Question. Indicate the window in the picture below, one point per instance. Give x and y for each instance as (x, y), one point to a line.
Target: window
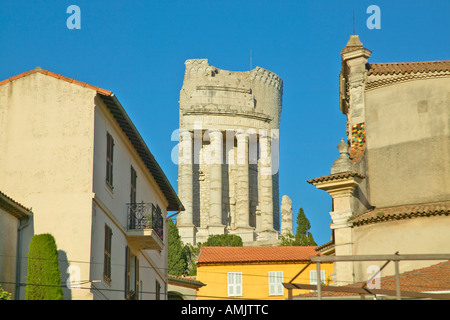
(132, 221)
(109, 160)
(313, 277)
(133, 186)
(234, 284)
(131, 275)
(276, 283)
(107, 255)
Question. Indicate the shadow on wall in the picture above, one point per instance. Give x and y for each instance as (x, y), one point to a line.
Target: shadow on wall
(64, 270)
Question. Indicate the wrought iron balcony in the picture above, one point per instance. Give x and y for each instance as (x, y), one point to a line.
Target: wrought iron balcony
(145, 222)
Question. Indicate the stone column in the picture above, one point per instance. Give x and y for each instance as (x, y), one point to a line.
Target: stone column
(215, 200)
(286, 217)
(243, 188)
(265, 229)
(185, 218)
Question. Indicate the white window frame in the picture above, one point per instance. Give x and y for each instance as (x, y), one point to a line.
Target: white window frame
(313, 277)
(234, 284)
(276, 283)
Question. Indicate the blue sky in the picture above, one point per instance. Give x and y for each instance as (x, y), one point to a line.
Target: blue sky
(137, 49)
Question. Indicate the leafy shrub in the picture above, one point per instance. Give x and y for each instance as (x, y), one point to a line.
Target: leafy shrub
(4, 295)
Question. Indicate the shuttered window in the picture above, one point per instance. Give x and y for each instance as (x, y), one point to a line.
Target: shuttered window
(133, 186)
(234, 284)
(107, 255)
(313, 277)
(109, 160)
(276, 283)
(131, 275)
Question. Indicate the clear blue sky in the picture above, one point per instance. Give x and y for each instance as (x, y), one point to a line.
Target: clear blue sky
(137, 49)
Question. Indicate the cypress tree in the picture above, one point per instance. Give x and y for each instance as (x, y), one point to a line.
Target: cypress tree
(177, 263)
(303, 237)
(44, 278)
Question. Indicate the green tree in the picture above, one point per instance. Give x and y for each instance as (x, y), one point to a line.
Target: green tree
(44, 277)
(223, 240)
(177, 257)
(302, 236)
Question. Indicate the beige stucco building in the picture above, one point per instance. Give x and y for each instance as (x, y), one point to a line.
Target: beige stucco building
(69, 151)
(391, 183)
(228, 153)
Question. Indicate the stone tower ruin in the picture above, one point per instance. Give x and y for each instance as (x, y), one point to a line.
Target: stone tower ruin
(228, 153)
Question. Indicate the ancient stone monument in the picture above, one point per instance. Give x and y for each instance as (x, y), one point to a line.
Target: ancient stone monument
(228, 153)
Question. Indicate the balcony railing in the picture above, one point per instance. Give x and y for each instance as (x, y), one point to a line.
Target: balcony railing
(145, 216)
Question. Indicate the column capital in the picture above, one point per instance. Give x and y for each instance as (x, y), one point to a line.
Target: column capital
(185, 134)
(214, 132)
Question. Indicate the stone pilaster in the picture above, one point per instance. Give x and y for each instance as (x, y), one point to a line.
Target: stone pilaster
(341, 187)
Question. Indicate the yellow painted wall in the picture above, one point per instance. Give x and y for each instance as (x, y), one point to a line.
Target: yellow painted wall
(255, 279)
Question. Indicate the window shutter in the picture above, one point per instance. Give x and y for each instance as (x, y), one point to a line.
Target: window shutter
(271, 283)
(107, 254)
(313, 277)
(137, 275)
(127, 271)
(280, 287)
(276, 283)
(238, 284)
(234, 283)
(230, 284)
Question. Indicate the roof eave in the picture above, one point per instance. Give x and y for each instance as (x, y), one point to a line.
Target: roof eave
(127, 126)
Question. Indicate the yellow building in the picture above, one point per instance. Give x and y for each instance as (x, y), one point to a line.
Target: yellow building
(256, 272)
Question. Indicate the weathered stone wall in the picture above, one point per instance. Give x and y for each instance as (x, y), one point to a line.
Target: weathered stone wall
(245, 108)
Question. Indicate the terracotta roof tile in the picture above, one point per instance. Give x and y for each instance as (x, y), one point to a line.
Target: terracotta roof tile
(3, 195)
(57, 76)
(403, 212)
(255, 254)
(13, 207)
(336, 176)
(407, 67)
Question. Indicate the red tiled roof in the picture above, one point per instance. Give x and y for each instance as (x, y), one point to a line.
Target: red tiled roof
(12, 206)
(407, 67)
(256, 254)
(57, 76)
(433, 278)
(187, 280)
(403, 212)
(336, 176)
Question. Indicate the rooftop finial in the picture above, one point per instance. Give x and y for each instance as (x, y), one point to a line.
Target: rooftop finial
(343, 163)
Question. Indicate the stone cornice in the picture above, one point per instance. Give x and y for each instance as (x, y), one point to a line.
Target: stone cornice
(220, 110)
(402, 212)
(384, 81)
(338, 184)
